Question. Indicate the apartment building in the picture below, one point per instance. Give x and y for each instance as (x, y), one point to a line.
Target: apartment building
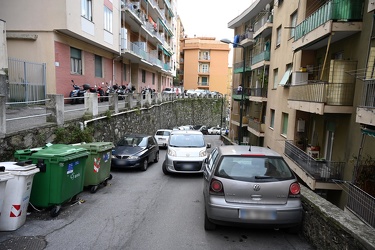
(204, 64)
(128, 43)
(309, 91)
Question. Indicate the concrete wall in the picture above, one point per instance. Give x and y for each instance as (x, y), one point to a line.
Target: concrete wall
(145, 120)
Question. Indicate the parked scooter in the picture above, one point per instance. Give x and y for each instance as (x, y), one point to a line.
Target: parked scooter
(99, 90)
(77, 94)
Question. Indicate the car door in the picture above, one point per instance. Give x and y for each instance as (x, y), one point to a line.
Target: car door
(208, 168)
(151, 148)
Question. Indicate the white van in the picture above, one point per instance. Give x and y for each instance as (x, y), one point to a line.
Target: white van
(186, 152)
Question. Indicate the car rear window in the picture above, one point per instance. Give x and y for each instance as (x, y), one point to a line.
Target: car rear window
(187, 140)
(165, 133)
(246, 168)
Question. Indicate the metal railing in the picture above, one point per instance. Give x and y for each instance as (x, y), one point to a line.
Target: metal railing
(339, 94)
(264, 18)
(343, 11)
(321, 170)
(27, 81)
(368, 94)
(259, 92)
(263, 56)
(362, 204)
(256, 125)
(238, 66)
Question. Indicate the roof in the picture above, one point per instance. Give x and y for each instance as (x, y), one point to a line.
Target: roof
(182, 132)
(244, 149)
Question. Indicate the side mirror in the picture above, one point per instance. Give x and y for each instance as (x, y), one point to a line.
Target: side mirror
(208, 145)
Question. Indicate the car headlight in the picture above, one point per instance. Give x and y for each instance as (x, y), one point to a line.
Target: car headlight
(133, 157)
(203, 153)
(113, 156)
(171, 152)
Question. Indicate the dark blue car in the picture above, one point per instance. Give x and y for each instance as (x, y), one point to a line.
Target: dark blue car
(135, 151)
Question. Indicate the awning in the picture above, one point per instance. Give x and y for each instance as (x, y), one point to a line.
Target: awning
(165, 27)
(285, 78)
(367, 131)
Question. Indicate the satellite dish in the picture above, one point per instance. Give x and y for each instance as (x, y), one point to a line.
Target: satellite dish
(268, 6)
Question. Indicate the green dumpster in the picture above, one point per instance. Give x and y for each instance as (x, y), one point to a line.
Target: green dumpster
(98, 164)
(61, 176)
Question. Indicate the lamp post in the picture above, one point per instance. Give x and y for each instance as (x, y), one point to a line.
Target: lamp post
(240, 137)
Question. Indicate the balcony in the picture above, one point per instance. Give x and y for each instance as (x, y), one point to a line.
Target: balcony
(237, 95)
(235, 119)
(258, 94)
(204, 58)
(256, 127)
(203, 84)
(322, 97)
(203, 72)
(366, 109)
(263, 25)
(260, 59)
(341, 18)
(238, 67)
(317, 174)
(246, 39)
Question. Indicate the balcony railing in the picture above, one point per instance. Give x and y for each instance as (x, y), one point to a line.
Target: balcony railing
(263, 56)
(259, 92)
(204, 58)
(326, 171)
(339, 94)
(343, 10)
(362, 204)
(203, 84)
(263, 19)
(238, 67)
(256, 125)
(204, 71)
(368, 94)
(245, 120)
(237, 95)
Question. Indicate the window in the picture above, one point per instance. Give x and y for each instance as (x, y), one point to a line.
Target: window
(107, 19)
(75, 61)
(86, 10)
(98, 66)
(153, 78)
(284, 128)
(204, 68)
(272, 122)
(278, 40)
(275, 77)
(293, 23)
(143, 75)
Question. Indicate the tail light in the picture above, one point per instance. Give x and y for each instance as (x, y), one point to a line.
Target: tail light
(294, 190)
(216, 187)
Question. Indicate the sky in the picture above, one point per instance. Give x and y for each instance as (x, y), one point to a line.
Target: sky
(210, 18)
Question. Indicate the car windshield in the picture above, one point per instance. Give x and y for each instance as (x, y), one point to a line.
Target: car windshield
(165, 133)
(133, 141)
(254, 169)
(187, 140)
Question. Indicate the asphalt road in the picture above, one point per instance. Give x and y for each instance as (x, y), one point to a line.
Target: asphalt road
(141, 210)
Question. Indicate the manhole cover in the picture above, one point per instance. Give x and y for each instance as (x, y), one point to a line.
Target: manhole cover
(24, 242)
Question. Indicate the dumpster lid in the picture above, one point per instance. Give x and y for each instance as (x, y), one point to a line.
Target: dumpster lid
(95, 147)
(60, 152)
(17, 166)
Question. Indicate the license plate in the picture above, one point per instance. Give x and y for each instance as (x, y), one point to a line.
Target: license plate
(257, 214)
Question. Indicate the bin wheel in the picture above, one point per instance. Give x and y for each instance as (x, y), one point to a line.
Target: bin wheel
(93, 189)
(110, 177)
(105, 183)
(55, 211)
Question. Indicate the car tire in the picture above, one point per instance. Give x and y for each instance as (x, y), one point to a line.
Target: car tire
(144, 165)
(156, 157)
(208, 225)
(164, 168)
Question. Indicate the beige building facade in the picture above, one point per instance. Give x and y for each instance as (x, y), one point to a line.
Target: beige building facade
(308, 89)
(128, 43)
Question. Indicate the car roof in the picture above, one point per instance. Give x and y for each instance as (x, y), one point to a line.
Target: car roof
(136, 135)
(164, 130)
(181, 132)
(248, 150)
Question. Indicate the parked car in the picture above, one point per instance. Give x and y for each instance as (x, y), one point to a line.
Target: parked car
(168, 91)
(162, 136)
(214, 131)
(203, 130)
(202, 92)
(186, 152)
(190, 92)
(250, 186)
(216, 94)
(135, 151)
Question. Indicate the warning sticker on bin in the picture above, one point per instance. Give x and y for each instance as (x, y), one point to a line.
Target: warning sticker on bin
(71, 167)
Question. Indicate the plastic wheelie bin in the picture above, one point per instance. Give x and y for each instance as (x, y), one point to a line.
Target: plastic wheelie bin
(98, 164)
(61, 176)
(4, 178)
(17, 194)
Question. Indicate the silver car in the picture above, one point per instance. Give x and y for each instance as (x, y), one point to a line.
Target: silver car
(252, 186)
(186, 152)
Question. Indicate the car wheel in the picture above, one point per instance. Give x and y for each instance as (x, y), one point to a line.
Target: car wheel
(164, 167)
(208, 225)
(144, 165)
(156, 157)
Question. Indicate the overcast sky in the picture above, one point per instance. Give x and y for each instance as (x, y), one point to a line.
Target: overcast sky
(210, 18)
